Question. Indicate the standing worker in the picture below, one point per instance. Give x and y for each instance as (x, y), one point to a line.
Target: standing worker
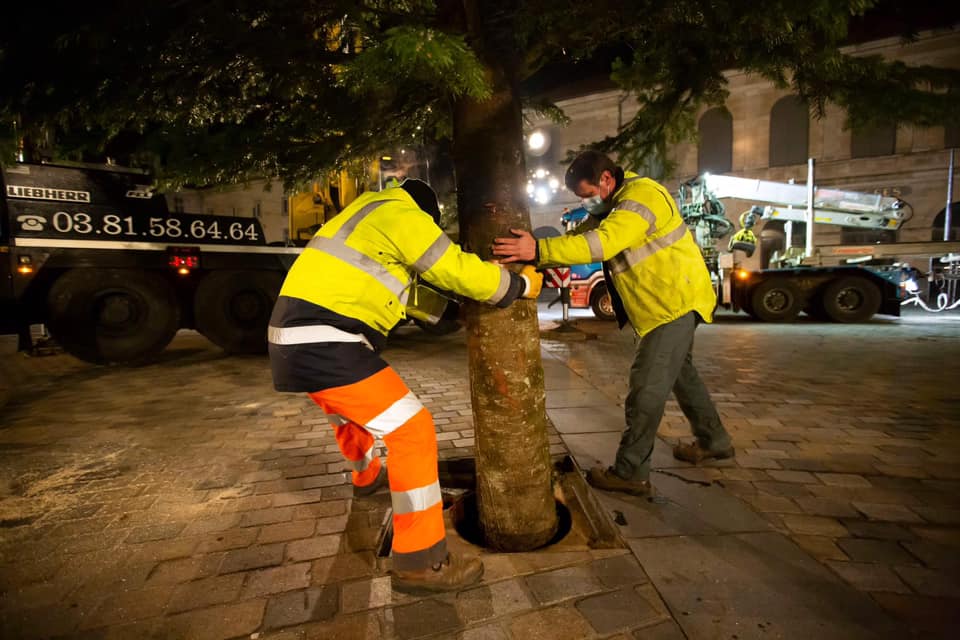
(342, 296)
(659, 283)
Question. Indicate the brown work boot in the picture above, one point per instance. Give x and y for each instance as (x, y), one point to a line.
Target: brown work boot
(607, 480)
(693, 453)
(456, 572)
(379, 482)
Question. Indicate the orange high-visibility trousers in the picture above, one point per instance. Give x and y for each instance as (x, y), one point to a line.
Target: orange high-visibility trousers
(382, 405)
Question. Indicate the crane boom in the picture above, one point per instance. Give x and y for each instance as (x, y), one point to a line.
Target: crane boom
(831, 206)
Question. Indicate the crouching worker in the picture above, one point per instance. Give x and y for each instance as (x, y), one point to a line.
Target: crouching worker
(342, 296)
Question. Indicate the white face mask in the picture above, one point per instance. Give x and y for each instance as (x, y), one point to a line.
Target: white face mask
(596, 205)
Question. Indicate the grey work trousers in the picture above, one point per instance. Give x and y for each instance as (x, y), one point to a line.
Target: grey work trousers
(663, 363)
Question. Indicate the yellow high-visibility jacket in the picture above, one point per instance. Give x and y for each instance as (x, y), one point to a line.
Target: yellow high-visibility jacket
(649, 256)
(353, 281)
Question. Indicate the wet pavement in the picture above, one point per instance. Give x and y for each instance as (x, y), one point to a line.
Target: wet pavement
(186, 499)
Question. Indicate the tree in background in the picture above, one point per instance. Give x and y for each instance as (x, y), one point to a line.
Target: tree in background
(215, 91)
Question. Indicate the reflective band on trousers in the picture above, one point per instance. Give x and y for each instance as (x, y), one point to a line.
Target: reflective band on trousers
(396, 416)
(625, 260)
(365, 263)
(364, 462)
(416, 499)
(311, 334)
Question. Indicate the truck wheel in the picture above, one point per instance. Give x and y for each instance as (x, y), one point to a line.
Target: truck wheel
(775, 300)
(233, 308)
(851, 299)
(112, 315)
(601, 303)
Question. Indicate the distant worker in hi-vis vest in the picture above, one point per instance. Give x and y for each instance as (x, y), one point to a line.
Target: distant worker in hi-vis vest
(351, 285)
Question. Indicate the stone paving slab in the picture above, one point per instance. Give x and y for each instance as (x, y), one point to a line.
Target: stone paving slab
(597, 419)
(756, 585)
(704, 508)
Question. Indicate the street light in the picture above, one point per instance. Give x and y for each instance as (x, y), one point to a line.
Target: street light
(538, 142)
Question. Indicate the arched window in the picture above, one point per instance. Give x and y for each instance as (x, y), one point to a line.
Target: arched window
(789, 132)
(873, 140)
(715, 152)
(940, 220)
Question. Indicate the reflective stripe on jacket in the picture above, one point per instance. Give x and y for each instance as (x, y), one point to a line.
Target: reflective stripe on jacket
(652, 260)
(359, 263)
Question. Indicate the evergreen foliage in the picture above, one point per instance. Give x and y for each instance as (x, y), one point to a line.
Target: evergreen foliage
(213, 91)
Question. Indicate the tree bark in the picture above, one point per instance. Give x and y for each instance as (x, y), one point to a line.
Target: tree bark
(514, 475)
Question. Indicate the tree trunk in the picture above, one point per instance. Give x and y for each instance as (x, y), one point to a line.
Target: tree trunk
(514, 488)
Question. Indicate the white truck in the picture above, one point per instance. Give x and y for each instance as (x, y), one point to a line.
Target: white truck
(842, 283)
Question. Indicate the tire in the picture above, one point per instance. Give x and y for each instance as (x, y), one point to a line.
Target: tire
(233, 308)
(108, 316)
(851, 299)
(602, 303)
(776, 300)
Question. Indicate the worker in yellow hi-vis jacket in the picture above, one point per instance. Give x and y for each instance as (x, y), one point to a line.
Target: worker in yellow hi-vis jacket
(658, 282)
(342, 296)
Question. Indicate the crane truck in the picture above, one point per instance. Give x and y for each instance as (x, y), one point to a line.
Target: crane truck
(842, 283)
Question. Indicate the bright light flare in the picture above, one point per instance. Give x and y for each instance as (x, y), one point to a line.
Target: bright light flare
(536, 141)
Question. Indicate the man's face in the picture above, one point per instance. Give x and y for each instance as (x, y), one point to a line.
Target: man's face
(603, 188)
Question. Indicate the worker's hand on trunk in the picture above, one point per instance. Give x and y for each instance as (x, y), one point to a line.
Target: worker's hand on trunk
(522, 248)
(534, 281)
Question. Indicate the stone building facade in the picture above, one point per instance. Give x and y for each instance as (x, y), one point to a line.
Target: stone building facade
(762, 132)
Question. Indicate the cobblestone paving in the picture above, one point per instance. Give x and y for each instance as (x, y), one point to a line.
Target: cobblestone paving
(848, 442)
(187, 499)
